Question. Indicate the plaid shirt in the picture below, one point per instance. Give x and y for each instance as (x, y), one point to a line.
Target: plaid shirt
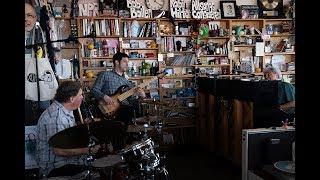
(108, 83)
(53, 120)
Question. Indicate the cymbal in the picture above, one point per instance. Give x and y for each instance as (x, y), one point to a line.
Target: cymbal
(137, 128)
(78, 137)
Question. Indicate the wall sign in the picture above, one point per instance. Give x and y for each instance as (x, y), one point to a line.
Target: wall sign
(179, 9)
(204, 10)
(88, 8)
(137, 10)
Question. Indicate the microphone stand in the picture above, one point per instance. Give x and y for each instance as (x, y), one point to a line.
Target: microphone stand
(67, 40)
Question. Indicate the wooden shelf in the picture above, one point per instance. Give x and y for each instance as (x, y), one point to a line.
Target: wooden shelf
(177, 66)
(217, 55)
(213, 65)
(140, 77)
(288, 72)
(140, 48)
(142, 59)
(283, 19)
(96, 68)
(280, 35)
(111, 36)
(224, 37)
(283, 73)
(96, 57)
(249, 35)
(178, 52)
(174, 35)
(245, 45)
(178, 77)
(279, 53)
(138, 38)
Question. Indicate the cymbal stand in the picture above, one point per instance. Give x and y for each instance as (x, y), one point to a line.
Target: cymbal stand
(92, 142)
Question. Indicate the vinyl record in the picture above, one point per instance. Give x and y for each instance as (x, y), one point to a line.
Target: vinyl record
(270, 5)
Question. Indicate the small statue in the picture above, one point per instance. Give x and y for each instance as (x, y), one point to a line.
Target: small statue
(65, 12)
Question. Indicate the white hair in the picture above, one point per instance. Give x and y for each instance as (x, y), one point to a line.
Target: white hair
(273, 70)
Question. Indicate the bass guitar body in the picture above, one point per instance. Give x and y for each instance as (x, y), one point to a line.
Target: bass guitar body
(109, 110)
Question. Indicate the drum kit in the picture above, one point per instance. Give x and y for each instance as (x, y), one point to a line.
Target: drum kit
(137, 160)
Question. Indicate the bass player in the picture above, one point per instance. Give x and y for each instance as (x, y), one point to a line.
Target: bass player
(109, 82)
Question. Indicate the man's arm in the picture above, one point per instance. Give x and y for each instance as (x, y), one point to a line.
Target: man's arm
(97, 86)
(288, 105)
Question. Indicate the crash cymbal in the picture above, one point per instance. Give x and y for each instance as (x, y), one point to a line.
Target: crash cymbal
(138, 128)
(77, 136)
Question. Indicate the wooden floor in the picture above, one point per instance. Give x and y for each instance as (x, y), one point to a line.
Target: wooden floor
(190, 163)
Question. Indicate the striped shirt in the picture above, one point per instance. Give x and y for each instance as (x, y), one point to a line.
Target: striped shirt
(53, 120)
(108, 83)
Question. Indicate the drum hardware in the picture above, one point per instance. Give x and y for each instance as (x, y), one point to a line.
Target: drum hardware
(143, 162)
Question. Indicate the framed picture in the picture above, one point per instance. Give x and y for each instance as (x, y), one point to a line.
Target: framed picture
(228, 9)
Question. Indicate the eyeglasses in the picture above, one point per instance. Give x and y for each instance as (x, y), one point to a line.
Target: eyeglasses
(30, 16)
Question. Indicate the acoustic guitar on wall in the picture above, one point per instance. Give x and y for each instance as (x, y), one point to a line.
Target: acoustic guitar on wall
(109, 110)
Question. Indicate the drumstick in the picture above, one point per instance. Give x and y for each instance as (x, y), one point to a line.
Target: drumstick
(80, 115)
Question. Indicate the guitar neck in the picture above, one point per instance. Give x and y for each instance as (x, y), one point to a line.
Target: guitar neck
(129, 93)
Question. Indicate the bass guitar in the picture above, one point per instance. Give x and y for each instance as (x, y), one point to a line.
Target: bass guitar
(109, 110)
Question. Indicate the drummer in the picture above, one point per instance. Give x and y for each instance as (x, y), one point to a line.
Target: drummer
(57, 117)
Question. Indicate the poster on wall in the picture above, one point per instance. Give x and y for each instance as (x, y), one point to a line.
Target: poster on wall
(30, 147)
(179, 9)
(204, 10)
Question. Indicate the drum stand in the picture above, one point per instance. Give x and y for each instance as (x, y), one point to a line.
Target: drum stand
(148, 171)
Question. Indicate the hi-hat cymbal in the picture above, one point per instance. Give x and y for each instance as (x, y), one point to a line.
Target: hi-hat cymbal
(78, 137)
